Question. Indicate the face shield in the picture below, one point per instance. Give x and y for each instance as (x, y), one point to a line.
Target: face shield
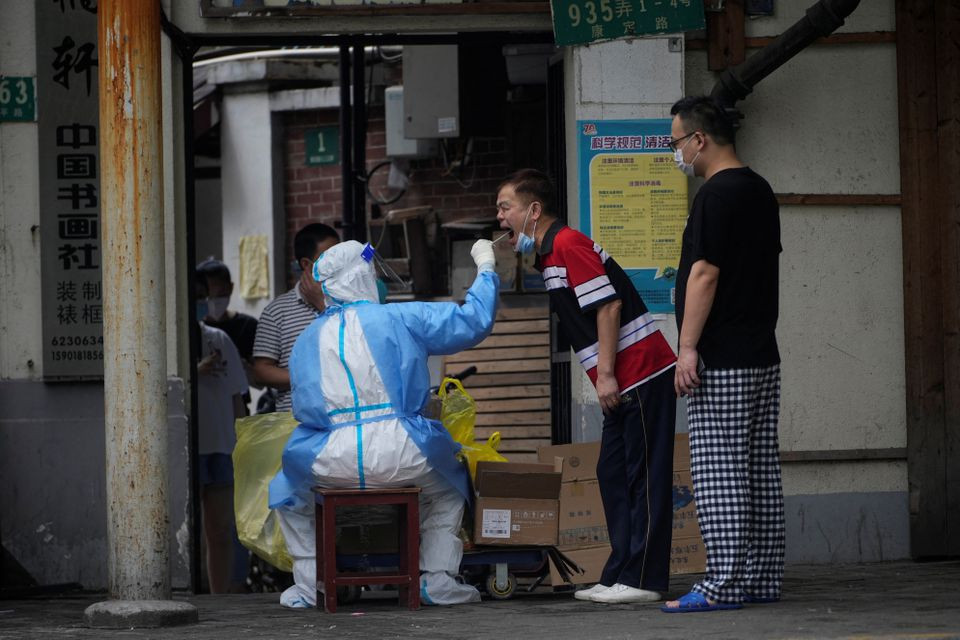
(349, 272)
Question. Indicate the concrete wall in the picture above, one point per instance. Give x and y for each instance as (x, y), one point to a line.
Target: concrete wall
(826, 122)
(252, 203)
(601, 83)
(52, 509)
(20, 355)
(53, 513)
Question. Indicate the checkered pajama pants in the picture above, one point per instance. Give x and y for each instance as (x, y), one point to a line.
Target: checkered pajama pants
(735, 464)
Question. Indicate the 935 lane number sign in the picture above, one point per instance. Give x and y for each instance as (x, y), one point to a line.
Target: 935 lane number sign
(583, 21)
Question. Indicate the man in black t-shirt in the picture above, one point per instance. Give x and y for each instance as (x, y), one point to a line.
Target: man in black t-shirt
(728, 364)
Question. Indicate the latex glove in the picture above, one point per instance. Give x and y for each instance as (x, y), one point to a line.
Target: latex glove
(482, 254)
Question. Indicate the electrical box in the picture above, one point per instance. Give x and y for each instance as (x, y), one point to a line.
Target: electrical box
(431, 91)
(398, 145)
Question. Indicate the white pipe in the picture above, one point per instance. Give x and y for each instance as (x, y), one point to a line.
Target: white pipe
(301, 52)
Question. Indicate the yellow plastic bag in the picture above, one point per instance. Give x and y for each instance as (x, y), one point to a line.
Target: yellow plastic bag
(256, 460)
(458, 413)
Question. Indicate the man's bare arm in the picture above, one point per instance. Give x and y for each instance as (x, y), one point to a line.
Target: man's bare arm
(608, 334)
(701, 288)
(267, 373)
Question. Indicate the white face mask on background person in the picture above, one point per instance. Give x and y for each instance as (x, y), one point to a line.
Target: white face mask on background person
(217, 307)
(686, 167)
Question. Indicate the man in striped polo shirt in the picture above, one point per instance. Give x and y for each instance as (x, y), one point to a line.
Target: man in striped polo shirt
(630, 364)
(285, 318)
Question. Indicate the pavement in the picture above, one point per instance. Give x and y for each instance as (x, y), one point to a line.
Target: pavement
(892, 600)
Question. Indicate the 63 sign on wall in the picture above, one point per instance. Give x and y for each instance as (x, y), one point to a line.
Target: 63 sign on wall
(583, 21)
(17, 99)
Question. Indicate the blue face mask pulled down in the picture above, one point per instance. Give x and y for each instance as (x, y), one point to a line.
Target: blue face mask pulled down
(525, 243)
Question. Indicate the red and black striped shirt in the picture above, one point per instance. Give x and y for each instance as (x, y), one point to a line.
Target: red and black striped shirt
(580, 277)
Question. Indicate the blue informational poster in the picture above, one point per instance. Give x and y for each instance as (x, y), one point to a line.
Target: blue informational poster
(633, 201)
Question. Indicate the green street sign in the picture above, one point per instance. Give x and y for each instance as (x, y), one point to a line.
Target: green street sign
(18, 99)
(322, 146)
(583, 21)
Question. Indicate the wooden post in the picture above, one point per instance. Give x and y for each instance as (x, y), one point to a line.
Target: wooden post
(927, 31)
(725, 36)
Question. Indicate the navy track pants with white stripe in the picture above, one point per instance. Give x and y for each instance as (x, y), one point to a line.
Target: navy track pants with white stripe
(635, 472)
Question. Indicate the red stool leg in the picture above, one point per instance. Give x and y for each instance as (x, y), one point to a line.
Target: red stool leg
(330, 555)
(319, 548)
(412, 549)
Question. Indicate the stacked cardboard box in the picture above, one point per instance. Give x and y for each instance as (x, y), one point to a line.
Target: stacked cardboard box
(517, 504)
(582, 529)
(687, 553)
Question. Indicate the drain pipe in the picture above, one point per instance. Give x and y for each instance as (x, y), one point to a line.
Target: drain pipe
(737, 82)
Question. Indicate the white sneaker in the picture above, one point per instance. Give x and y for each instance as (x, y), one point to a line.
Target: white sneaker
(622, 594)
(584, 594)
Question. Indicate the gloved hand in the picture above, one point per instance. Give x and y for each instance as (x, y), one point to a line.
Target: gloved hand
(482, 254)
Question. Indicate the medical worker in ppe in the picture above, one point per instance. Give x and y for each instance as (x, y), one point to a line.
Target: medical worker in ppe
(359, 378)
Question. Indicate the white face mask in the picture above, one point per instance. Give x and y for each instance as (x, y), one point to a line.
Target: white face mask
(525, 243)
(685, 167)
(217, 307)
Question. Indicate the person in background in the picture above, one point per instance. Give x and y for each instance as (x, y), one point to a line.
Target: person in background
(729, 364)
(241, 327)
(221, 384)
(285, 318)
(631, 365)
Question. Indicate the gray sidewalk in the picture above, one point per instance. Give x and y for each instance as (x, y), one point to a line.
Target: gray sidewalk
(889, 600)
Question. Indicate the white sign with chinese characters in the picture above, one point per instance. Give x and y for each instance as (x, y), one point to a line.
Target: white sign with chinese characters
(68, 123)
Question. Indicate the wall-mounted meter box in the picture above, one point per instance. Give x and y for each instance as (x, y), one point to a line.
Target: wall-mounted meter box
(431, 91)
(398, 145)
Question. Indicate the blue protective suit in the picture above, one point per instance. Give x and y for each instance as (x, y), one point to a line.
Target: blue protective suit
(360, 379)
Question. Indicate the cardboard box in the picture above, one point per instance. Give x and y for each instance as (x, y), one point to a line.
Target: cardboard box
(517, 504)
(579, 460)
(582, 521)
(687, 555)
(685, 524)
(582, 524)
(517, 480)
(590, 559)
(681, 452)
(515, 521)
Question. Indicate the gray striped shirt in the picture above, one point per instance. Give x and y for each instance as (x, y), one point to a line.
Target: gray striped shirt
(280, 324)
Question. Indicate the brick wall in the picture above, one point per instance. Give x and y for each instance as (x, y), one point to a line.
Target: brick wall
(312, 194)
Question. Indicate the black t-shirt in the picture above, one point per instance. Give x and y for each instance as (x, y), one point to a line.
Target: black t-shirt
(242, 329)
(734, 224)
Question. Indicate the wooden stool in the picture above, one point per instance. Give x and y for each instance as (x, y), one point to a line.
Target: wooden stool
(407, 578)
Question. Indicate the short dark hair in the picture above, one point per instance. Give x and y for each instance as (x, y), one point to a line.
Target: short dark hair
(703, 113)
(534, 184)
(211, 268)
(306, 241)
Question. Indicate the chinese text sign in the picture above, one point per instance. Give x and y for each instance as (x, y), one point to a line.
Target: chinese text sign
(633, 201)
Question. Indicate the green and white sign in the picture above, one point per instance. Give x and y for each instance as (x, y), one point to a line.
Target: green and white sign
(583, 21)
(18, 101)
(322, 146)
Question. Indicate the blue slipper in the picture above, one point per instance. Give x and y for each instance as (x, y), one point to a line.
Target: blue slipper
(749, 599)
(695, 602)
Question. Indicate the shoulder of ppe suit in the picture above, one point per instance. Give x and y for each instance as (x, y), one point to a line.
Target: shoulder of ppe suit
(306, 338)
